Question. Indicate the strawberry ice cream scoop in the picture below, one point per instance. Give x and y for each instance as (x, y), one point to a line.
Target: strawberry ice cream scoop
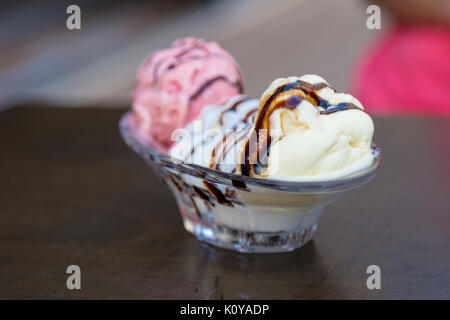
(173, 86)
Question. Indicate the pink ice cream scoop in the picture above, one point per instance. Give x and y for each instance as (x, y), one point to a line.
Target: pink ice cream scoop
(173, 85)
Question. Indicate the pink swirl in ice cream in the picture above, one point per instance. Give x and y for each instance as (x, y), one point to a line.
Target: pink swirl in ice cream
(174, 84)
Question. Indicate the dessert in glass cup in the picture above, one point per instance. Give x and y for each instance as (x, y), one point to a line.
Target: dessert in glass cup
(248, 174)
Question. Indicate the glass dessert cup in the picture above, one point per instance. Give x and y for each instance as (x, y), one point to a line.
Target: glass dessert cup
(243, 213)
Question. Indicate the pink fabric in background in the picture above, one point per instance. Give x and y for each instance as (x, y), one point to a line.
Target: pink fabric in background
(407, 72)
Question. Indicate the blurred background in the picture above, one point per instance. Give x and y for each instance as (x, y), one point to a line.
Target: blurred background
(41, 60)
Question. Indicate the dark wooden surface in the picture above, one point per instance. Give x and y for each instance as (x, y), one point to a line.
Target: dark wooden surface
(71, 192)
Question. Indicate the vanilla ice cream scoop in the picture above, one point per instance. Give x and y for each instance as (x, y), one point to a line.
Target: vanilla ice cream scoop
(215, 138)
(305, 130)
(301, 129)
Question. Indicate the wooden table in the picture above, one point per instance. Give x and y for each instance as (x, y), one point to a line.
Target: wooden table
(71, 192)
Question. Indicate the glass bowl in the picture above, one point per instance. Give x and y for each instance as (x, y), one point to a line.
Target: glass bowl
(244, 213)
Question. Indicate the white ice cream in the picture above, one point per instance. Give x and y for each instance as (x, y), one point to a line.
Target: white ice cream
(197, 141)
(308, 141)
(309, 145)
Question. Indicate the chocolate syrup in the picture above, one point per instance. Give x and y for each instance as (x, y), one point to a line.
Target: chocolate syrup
(211, 82)
(181, 59)
(217, 194)
(249, 114)
(196, 209)
(174, 182)
(164, 58)
(233, 107)
(213, 163)
(200, 193)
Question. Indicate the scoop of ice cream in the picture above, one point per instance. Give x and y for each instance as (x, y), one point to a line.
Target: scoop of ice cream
(301, 129)
(173, 85)
(304, 129)
(213, 140)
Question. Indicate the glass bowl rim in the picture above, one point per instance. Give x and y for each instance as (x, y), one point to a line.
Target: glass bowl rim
(339, 184)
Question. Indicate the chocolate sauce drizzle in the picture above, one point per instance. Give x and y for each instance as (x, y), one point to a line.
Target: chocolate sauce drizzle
(183, 57)
(233, 107)
(219, 147)
(158, 64)
(210, 82)
(249, 114)
(231, 138)
(224, 146)
(217, 194)
(200, 193)
(305, 91)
